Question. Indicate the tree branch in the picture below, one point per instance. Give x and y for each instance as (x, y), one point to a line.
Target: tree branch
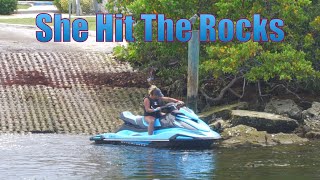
(243, 90)
(259, 88)
(234, 93)
(288, 90)
(275, 87)
(222, 92)
(169, 87)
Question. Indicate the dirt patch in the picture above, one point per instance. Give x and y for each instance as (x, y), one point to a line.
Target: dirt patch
(28, 78)
(123, 79)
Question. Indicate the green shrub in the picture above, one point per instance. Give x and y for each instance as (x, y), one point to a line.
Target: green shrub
(8, 6)
(86, 6)
(62, 5)
(57, 4)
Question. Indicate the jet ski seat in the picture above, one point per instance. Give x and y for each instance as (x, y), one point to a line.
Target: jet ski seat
(137, 120)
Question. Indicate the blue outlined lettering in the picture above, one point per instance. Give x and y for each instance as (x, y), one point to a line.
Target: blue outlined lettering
(117, 28)
(45, 35)
(79, 25)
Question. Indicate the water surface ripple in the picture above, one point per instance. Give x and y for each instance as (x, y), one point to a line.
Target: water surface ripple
(50, 156)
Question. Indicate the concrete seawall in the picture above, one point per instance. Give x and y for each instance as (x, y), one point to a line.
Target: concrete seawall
(50, 92)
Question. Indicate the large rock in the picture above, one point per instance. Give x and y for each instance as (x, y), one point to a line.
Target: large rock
(312, 121)
(313, 135)
(242, 135)
(223, 112)
(310, 129)
(284, 107)
(313, 112)
(262, 121)
(313, 124)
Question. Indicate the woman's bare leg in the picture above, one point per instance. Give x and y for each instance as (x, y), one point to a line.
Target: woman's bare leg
(150, 121)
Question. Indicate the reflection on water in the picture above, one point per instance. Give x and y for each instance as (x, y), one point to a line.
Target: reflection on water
(74, 157)
(279, 162)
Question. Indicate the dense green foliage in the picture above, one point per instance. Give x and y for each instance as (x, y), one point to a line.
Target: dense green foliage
(63, 5)
(86, 6)
(296, 59)
(8, 6)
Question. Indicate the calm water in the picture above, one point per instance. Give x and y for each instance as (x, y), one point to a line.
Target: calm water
(74, 157)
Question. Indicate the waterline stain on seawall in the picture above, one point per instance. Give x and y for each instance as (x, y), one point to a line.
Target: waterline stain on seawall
(52, 92)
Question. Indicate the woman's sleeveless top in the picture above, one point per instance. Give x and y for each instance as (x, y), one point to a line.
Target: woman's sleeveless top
(154, 103)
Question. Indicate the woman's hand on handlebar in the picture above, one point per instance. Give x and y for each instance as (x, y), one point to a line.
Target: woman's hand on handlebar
(157, 109)
(180, 102)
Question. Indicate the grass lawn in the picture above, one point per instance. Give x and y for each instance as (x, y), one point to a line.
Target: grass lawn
(23, 6)
(31, 21)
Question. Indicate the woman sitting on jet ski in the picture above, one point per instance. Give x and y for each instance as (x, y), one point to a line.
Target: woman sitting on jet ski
(152, 105)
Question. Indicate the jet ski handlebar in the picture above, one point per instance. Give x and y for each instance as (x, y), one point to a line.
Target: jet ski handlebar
(172, 106)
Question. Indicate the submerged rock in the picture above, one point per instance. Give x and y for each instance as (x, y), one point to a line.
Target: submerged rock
(284, 107)
(282, 138)
(264, 121)
(223, 112)
(242, 135)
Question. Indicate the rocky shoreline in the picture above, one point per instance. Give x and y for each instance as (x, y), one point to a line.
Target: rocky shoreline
(282, 122)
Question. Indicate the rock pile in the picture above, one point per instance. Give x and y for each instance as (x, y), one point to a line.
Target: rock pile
(283, 122)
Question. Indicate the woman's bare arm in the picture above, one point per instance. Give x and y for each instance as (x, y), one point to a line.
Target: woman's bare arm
(169, 99)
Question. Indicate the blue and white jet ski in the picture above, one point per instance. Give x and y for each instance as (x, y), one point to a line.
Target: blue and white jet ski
(180, 128)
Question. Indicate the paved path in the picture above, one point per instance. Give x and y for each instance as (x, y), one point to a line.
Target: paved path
(42, 85)
(33, 11)
(23, 38)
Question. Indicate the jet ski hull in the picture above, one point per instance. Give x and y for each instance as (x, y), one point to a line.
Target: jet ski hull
(174, 138)
(170, 144)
